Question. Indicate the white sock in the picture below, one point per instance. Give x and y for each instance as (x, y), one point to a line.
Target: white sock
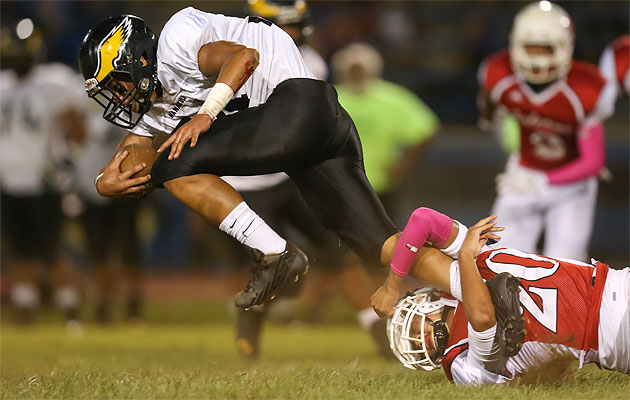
(67, 297)
(25, 295)
(367, 317)
(247, 227)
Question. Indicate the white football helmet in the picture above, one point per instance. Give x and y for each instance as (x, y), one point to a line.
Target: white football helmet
(409, 345)
(544, 24)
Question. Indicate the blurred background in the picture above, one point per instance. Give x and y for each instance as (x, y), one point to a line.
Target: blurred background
(432, 48)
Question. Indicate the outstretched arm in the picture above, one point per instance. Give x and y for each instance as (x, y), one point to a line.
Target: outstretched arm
(476, 298)
(429, 265)
(232, 64)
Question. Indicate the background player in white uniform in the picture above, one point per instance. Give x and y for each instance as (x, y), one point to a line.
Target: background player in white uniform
(559, 103)
(112, 241)
(40, 116)
(282, 207)
(299, 129)
(277, 200)
(582, 311)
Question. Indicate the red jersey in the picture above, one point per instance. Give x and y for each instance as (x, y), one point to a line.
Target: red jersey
(560, 300)
(621, 49)
(615, 62)
(549, 120)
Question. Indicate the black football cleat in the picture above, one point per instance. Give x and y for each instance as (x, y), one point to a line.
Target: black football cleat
(270, 273)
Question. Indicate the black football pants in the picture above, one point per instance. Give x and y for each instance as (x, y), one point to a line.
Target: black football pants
(301, 130)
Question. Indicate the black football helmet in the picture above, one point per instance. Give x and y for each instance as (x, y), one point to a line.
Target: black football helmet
(22, 45)
(118, 59)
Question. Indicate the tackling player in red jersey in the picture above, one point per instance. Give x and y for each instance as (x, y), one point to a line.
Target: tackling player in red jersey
(571, 310)
(559, 104)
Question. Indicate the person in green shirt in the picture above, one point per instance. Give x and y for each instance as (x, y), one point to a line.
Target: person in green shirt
(393, 123)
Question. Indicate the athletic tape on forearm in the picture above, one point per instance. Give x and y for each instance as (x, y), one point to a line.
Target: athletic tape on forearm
(455, 281)
(453, 249)
(482, 346)
(217, 99)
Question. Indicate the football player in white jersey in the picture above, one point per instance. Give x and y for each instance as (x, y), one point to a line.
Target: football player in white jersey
(40, 115)
(254, 109)
(102, 216)
(278, 202)
(276, 199)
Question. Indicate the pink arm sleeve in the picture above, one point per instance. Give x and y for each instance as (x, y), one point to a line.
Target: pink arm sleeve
(424, 225)
(592, 157)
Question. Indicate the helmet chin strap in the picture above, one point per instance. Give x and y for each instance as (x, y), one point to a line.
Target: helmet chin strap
(440, 327)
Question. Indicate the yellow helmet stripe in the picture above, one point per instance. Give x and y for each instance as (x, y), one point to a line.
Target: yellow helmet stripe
(262, 8)
(266, 10)
(109, 49)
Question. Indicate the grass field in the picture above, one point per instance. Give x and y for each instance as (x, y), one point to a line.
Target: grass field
(187, 359)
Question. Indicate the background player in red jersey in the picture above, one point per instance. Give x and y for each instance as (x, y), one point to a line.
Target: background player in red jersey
(559, 104)
(571, 310)
(614, 64)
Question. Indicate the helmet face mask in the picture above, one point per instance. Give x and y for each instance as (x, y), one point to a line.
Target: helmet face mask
(118, 60)
(538, 26)
(407, 333)
(123, 106)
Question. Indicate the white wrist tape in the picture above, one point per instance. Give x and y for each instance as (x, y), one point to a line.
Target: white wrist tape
(455, 281)
(219, 96)
(453, 249)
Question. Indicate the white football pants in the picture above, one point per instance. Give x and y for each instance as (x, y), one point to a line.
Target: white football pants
(614, 322)
(565, 212)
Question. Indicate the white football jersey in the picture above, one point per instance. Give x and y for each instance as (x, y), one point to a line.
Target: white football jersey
(185, 88)
(31, 137)
(101, 141)
(314, 62)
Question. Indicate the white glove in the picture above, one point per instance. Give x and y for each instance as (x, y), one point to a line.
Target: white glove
(522, 181)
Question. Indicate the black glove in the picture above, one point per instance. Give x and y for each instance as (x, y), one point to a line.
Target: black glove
(507, 310)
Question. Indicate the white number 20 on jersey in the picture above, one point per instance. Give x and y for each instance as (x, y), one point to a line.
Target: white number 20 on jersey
(531, 268)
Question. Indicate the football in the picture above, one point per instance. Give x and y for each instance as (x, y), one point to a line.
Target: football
(138, 154)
